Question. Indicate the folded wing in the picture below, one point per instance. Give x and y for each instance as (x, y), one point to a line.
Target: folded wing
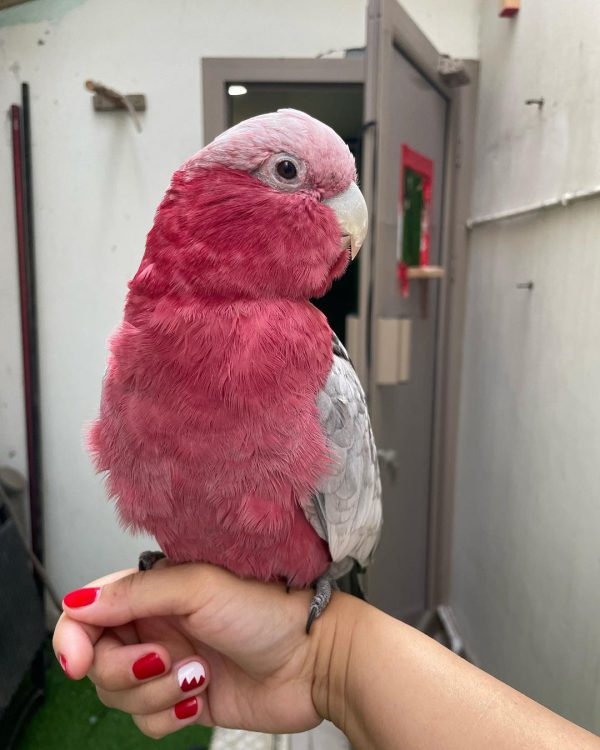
(346, 507)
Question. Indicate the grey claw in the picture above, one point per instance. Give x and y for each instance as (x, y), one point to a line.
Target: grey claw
(319, 601)
(312, 616)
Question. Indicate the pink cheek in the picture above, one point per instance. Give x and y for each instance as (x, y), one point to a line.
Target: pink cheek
(320, 281)
(341, 264)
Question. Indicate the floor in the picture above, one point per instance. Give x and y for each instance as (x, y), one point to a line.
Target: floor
(324, 737)
(233, 739)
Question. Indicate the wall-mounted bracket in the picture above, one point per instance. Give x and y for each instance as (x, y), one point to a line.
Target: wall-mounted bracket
(424, 274)
(108, 100)
(393, 351)
(539, 102)
(453, 72)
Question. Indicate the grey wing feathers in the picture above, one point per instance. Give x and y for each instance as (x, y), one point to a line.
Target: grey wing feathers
(346, 507)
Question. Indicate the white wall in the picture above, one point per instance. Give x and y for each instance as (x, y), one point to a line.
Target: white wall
(97, 183)
(526, 575)
(452, 27)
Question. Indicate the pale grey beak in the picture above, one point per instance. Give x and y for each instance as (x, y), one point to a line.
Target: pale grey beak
(351, 211)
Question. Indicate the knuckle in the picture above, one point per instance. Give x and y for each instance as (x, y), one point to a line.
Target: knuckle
(119, 589)
(148, 704)
(147, 727)
(132, 589)
(106, 697)
(100, 675)
(128, 585)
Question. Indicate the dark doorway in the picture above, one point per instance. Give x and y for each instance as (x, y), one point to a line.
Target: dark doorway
(338, 105)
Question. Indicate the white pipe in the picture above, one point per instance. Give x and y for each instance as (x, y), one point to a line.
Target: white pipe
(565, 200)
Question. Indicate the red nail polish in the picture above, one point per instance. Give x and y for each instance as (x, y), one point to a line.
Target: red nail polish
(64, 665)
(81, 597)
(185, 709)
(148, 666)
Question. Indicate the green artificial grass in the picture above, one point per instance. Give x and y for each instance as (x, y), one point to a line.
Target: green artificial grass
(72, 718)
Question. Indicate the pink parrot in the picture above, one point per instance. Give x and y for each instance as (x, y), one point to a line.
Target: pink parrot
(232, 425)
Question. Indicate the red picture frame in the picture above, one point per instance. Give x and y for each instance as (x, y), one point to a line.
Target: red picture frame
(422, 166)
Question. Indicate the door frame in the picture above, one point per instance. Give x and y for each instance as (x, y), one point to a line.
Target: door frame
(217, 72)
(389, 26)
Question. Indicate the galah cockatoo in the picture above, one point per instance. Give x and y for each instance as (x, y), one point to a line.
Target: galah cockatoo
(232, 425)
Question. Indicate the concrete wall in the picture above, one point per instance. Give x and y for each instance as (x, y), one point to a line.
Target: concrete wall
(452, 27)
(526, 549)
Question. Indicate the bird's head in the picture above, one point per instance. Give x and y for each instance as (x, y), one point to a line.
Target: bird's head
(269, 208)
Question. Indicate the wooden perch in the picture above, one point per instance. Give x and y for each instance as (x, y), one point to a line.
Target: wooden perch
(108, 100)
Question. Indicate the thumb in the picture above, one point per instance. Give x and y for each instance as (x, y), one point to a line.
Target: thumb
(73, 642)
(174, 590)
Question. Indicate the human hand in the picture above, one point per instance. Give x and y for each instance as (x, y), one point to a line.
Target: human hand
(262, 671)
(376, 678)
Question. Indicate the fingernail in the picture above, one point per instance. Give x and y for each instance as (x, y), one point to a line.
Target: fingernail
(82, 597)
(186, 708)
(148, 666)
(64, 665)
(191, 675)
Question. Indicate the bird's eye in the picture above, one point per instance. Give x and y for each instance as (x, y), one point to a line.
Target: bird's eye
(283, 172)
(286, 169)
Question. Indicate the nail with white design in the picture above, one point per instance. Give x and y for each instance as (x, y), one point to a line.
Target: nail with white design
(191, 675)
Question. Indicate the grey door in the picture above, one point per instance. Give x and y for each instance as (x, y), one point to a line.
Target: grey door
(408, 109)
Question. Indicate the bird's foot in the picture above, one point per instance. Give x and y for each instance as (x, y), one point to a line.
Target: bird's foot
(320, 600)
(147, 560)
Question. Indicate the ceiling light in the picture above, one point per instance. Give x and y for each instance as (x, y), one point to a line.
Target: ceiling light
(237, 90)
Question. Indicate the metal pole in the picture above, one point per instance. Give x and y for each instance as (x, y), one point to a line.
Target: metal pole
(21, 143)
(31, 345)
(564, 200)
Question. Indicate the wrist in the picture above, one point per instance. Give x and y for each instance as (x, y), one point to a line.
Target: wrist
(332, 684)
